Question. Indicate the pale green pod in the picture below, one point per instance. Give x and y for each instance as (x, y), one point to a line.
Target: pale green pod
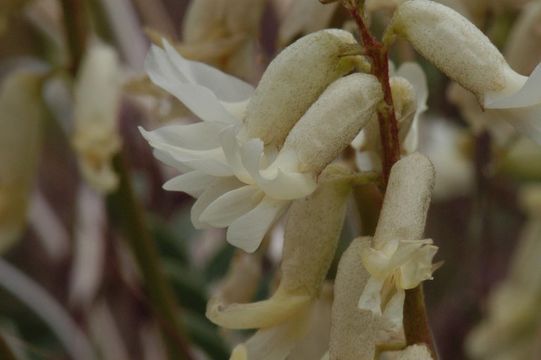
(355, 333)
(456, 47)
(21, 116)
(311, 236)
(331, 123)
(406, 201)
(294, 80)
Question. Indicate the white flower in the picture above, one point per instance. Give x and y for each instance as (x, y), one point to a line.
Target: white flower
(230, 160)
(437, 32)
(397, 260)
(96, 103)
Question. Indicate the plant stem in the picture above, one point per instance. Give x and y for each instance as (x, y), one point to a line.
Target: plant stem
(388, 125)
(76, 30)
(127, 212)
(416, 326)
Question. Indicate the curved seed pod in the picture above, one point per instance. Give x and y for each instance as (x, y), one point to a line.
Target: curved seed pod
(311, 235)
(21, 114)
(437, 31)
(303, 70)
(316, 139)
(355, 333)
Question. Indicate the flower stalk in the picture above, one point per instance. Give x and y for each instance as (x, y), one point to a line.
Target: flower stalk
(388, 124)
(416, 326)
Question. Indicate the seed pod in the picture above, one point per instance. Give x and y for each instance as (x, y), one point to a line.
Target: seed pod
(303, 70)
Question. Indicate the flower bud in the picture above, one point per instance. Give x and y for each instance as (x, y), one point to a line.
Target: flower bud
(316, 139)
(406, 201)
(437, 32)
(97, 99)
(303, 70)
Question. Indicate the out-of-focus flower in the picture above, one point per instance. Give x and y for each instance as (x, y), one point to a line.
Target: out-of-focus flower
(355, 333)
(520, 51)
(445, 144)
(96, 105)
(231, 160)
(311, 236)
(436, 31)
(304, 17)
(410, 92)
(522, 161)
(511, 329)
(397, 260)
(21, 116)
(223, 33)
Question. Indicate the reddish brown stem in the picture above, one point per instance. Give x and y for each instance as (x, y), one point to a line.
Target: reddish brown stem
(388, 125)
(416, 326)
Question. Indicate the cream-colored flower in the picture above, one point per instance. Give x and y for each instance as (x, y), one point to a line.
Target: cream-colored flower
(246, 166)
(21, 116)
(437, 31)
(412, 352)
(312, 231)
(96, 105)
(397, 260)
(445, 144)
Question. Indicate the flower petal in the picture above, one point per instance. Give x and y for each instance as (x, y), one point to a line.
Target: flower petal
(528, 95)
(395, 308)
(198, 136)
(199, 99)
(211, 161)
(248, 231)
(260, 314)
(370, 298)
(213, 192)
(192, 183)
(231, 205)
(277, 342)
(276, 182)
(226, 87)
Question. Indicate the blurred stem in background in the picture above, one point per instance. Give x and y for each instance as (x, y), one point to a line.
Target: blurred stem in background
(127, 214)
